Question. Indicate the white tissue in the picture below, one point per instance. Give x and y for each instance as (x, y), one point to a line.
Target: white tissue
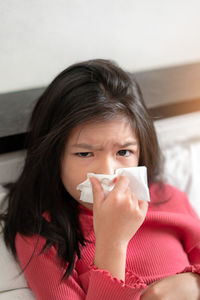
(136, 175)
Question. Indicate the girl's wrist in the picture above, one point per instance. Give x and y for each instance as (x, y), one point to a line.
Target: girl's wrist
(111, 245)
(111, 257)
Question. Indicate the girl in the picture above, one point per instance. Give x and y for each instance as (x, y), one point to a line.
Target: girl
(92, 118)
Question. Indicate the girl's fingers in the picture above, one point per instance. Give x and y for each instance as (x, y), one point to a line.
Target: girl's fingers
(134, 198)
(121, 184)
(98, 193)
(143, 205)
(121, 187)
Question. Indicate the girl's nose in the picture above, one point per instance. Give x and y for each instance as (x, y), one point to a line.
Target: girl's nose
(107, 166)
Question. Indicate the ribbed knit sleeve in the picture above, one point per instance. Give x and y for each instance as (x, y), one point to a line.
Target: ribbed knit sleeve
(103, 286)
(191, 238)
(44, 273)
(194, 258)
(194, 255)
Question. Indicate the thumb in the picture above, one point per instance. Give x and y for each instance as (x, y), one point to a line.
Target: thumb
(143, 205)
(98, 193)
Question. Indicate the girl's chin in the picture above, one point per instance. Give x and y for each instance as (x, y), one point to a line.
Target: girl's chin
(87, 205)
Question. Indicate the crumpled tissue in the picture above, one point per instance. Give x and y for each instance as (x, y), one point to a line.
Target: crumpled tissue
(136, 175)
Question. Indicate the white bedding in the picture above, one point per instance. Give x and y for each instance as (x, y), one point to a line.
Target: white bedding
(17, 294)
(12, 285)
(179, 138)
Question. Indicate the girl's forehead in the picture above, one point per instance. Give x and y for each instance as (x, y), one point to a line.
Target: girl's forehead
(116, 129)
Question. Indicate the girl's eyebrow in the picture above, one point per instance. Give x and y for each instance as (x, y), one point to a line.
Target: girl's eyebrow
(90, 147)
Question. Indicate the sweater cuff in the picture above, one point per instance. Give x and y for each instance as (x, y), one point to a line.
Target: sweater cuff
(191, 268)
(131, 279)
(134, 281)
(106, 284)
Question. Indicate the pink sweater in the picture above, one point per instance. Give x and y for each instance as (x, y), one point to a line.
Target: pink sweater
(167, 243)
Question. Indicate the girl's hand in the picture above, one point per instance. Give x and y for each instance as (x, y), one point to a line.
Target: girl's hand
(118, 216)
(185, 286)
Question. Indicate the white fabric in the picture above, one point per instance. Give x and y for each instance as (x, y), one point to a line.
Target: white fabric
(182, 169)
(179, 138)
(12, 284)
(136, 175)
(17, 294)
(194, 184)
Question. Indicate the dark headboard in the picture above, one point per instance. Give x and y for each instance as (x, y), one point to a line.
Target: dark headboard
(167, 92)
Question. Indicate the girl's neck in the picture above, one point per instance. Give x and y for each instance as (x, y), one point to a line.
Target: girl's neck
(85, 210)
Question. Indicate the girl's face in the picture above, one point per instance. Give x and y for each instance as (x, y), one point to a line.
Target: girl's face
(98, 147)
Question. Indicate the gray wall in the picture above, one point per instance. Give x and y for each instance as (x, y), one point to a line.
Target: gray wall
(38, 38)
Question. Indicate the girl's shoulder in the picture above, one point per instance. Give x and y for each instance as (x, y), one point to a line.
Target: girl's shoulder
(168, 197)
(164, 191)
(28, 248)
(33, 245)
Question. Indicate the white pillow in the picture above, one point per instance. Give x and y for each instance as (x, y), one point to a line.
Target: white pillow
(18, 294)
(179, 138)
(12, 285)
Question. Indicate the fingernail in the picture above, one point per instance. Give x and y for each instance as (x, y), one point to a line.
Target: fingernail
(115, 179)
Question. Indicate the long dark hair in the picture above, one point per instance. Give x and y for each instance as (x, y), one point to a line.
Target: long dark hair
(84, 92)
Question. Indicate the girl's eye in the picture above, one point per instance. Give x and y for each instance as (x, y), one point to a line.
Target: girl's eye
(84, 154)
(124, 152)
